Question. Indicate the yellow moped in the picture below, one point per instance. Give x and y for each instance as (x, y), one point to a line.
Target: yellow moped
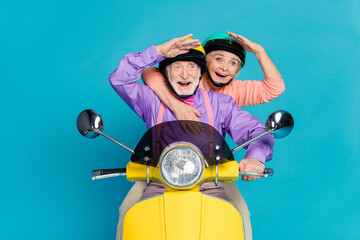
(182, 160)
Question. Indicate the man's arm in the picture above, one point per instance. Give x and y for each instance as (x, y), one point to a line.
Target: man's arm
(242, 127)
(124, 79)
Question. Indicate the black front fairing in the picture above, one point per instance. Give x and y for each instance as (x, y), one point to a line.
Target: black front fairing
(157, 138)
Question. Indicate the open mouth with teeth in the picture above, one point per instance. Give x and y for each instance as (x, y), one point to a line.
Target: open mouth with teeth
(184, 84)
(221, 75)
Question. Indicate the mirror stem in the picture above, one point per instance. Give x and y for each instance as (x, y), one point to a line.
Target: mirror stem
(250, 141)
(119, 143)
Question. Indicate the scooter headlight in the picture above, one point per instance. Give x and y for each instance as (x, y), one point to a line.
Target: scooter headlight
(181, 165)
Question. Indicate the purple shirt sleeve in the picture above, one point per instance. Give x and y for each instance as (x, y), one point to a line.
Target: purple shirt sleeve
(242, 126)
(124, 79)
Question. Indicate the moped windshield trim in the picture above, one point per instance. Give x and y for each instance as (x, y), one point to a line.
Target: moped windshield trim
(205, 137)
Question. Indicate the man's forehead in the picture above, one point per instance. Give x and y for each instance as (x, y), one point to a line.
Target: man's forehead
(183, 63)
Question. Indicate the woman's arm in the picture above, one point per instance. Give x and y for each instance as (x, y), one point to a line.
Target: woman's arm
(153, 78)
(156, 81)
(259, 92)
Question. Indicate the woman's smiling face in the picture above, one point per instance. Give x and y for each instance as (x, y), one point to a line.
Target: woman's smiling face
(222, 66)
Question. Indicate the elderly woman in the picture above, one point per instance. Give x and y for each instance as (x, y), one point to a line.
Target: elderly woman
(225, 57)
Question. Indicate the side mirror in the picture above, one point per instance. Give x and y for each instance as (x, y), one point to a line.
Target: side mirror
(90, 123)
(280, 123)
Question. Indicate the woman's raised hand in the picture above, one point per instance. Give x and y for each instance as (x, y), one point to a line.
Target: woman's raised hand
(246, 43)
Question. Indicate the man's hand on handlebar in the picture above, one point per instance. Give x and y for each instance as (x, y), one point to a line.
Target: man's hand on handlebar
(251, 165)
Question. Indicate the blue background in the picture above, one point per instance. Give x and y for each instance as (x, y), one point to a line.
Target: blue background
(56, 57)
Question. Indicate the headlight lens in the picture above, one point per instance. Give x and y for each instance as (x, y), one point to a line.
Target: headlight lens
(181, 165)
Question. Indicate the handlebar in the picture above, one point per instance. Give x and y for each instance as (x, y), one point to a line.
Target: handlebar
(116, 172)
(108, 173)
(267, 172)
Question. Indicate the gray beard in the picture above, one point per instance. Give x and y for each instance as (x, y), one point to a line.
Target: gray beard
(183, 96)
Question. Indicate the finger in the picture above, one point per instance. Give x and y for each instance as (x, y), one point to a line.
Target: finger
(233, 35)
(186, 48)
(199, 127)
(189, 41)
(195, 119)
(252, 166)
(185, 37)
(183, 126)
(182, 52)
(245, 178)
(241, 166)
(242, 38)
(197, 113)
(188, 44)
(251, 178)
(195, 128)
(192, 128)
(255, 178)
(238, 38)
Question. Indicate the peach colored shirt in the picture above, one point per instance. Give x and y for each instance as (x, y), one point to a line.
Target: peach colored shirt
(245, 93)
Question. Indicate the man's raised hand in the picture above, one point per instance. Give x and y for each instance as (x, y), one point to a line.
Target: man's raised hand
(177, 46)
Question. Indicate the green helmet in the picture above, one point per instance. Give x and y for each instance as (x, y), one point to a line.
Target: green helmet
(222, 41)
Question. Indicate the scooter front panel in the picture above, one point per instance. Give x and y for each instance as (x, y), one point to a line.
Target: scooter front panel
(145, 220)
(220, 220)
(183, 215)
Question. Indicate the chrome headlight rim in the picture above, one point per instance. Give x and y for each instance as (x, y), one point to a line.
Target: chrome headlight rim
(172, 147)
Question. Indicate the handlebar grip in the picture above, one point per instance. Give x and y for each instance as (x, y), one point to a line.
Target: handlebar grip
(108, 171)
(269, 171)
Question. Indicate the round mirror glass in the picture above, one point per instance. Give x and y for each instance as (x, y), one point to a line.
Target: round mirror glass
(89, 123)
(280, 123)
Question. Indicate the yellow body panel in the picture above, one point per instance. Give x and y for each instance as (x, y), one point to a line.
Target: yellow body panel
(220, 220)
(145, 220)
(183, 215)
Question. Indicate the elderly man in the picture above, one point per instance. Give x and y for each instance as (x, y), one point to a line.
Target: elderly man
(182, 63)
